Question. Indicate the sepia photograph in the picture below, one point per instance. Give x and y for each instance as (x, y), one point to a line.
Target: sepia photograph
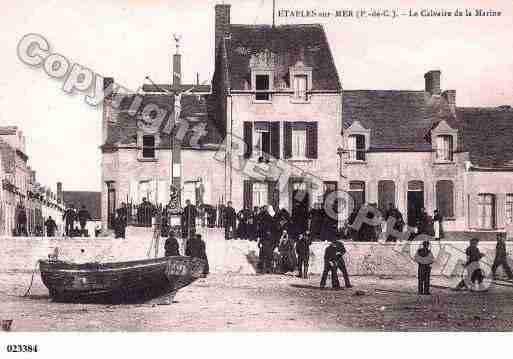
(274, 167)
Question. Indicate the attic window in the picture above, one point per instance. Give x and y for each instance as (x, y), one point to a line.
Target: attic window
(148, 149)
(300, 84)
(262, 87)
(444, 148)
(356, 147)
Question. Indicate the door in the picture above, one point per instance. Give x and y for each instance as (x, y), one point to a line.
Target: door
(415, 205)
(300, 199)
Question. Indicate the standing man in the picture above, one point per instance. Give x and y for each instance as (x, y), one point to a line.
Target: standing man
(425, 259)
(341, 264)
(69, 217)
(51, 226)
(189, 220)
(121, 221)
(330, 265)
(303, 253)
(230, 221)
(501, 258)
(83, 216)
(474, 272)
(21, 221)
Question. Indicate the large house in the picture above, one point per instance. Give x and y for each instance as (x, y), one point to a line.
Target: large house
(279, 130)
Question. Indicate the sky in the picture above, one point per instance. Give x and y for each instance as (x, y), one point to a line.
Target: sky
(131, 39)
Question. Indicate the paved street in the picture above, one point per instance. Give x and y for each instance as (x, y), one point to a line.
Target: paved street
(268, 302)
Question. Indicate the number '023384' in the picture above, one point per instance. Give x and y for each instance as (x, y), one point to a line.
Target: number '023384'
(22, 348)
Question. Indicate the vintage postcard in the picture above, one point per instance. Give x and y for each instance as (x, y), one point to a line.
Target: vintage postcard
(254, 166)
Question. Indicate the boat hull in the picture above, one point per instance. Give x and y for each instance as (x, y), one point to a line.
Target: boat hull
(135, 281)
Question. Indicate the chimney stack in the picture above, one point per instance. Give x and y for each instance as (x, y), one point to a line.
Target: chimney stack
(59, 191)
(177, 70)
(432, 79)
(222, 23)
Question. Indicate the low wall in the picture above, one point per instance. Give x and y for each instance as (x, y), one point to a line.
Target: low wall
(19, 254)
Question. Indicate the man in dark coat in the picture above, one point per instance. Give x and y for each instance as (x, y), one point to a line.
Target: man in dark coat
(425, 259)
(501, 258)
(230, 221)
(196, 248)
(69, 217)
(83, 216)
(121, 221)
(266, 244)
(299, 220)
(341, 264)
(189, 220)
(243, 217)
(171, 247)
(51, 226)
(330, 266)
(303, 253)
(393, 212)
(473, 270)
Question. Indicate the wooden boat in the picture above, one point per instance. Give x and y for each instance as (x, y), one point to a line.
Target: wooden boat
(134, 281)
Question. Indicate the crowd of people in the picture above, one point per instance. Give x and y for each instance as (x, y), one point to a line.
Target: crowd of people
(72, 219)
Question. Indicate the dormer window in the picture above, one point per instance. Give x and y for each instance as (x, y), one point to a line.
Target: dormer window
(300, 83)
(444, 148)
(262, 87)
(444, 140)
(356, 147)
(148, 148)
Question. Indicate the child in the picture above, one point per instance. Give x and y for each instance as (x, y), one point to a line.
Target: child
(425, 259)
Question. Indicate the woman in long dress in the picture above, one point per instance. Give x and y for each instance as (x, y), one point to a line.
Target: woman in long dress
(437, 225)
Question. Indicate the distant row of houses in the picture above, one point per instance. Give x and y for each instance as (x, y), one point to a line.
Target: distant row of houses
(25, 204)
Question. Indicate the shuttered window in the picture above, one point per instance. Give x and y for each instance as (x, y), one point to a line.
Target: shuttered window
(311, 140)
(445, 198)
(260, 194)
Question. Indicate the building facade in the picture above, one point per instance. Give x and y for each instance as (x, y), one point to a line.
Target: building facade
(280, 130)
(20, 191)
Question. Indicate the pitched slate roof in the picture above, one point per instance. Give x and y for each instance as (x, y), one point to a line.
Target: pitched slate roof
(397, 119)
(123, 126)
(289, 44)
(487, 135)
(91, 200)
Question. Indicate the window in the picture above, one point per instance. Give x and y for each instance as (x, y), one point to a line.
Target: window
(486, 211)
(444, 148)
(445, 198)
(356, 147)
(148, 149)
(299, 143)
(357, 192)
(300, 87)
(386, 194)
(262, 87)
(260, 194)
(509, 208)
(263, 145)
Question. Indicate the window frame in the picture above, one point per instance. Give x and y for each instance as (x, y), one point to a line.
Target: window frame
(356, 154)
(152, 148)
(508, 209)
(453, 199)
(299, 69)
(446, 153)
(262, 72)
(295, 145)
(258, 150)
(264, 191)
(481, 210)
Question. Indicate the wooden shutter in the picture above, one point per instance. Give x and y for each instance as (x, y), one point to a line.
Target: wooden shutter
(287, 140)
(248, 139)
(273, 194)
(311, 140)
(248, 194)
(275, 139)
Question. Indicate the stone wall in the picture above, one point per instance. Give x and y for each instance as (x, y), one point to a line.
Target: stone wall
(21, 254)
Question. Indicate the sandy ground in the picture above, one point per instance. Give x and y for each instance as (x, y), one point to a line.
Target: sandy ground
(269, 303)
